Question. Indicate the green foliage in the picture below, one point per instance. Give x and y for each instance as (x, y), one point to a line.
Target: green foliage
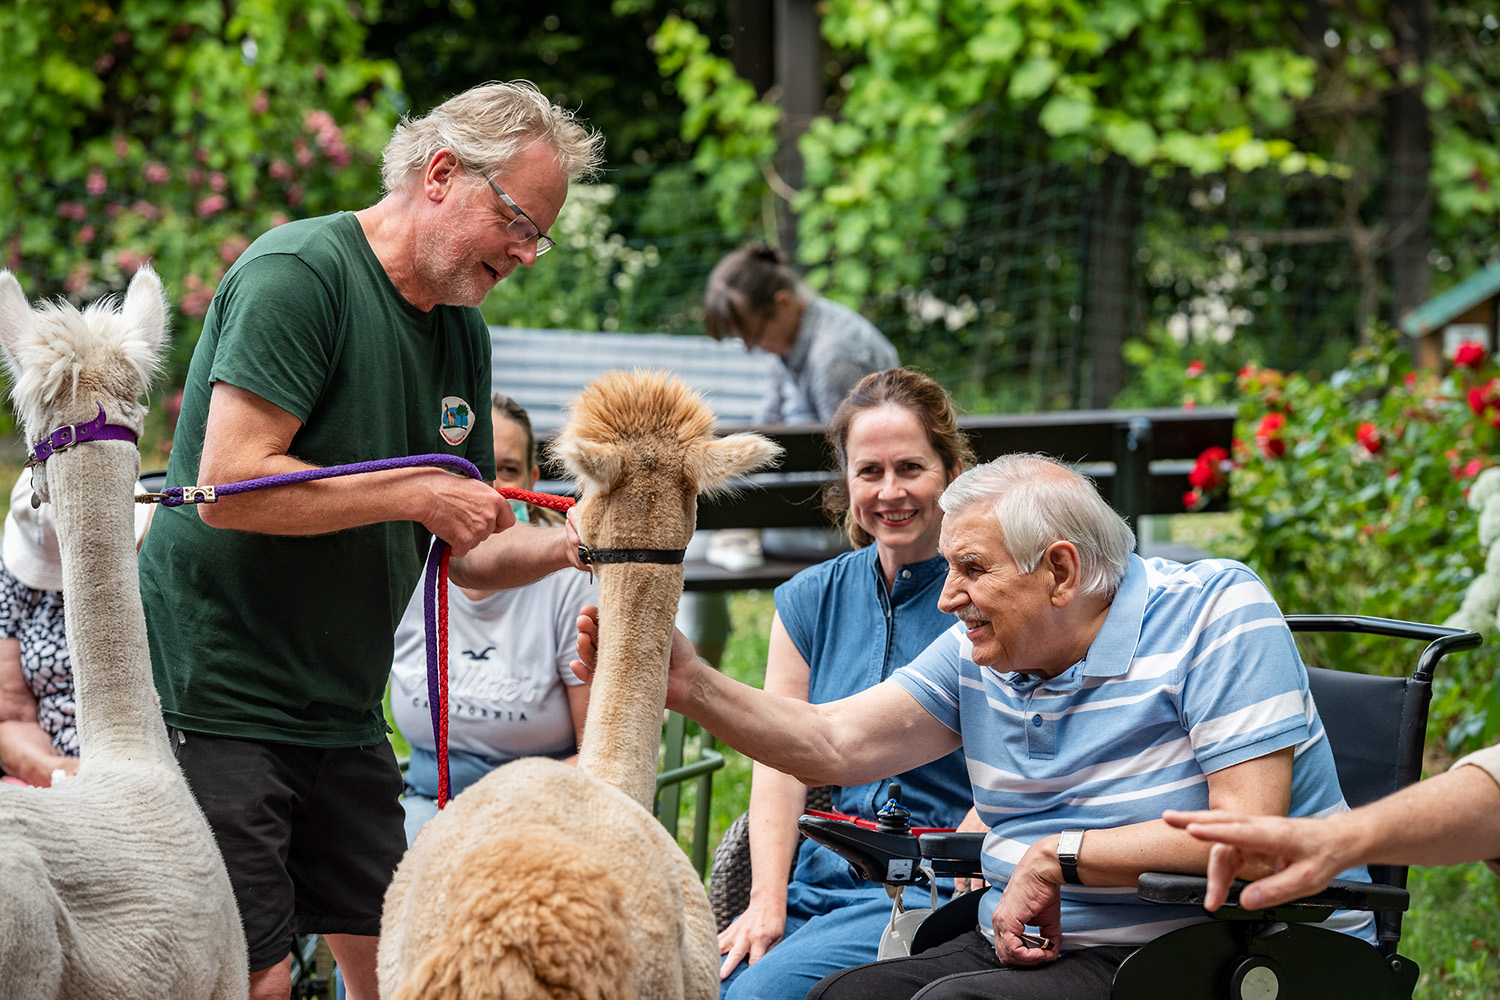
(918, 77)
(923, 198)
(176, 133)
(1462, 95)
(583, 54)
(735, 131)
(593, 280)
(1172, 372)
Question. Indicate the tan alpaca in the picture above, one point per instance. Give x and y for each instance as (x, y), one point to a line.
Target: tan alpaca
(111, 885)
(544, 880)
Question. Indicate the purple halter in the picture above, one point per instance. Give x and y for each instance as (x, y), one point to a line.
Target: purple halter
(66, 436)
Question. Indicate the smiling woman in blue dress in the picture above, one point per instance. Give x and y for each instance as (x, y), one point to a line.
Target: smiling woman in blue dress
(840, 627)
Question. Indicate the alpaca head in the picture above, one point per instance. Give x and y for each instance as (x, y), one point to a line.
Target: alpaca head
(641, 444)
(62, 362)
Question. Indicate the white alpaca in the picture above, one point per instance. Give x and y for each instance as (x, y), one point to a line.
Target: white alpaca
(111, 885)
(544, 881)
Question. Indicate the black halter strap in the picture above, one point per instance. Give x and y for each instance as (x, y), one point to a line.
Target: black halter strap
(664, 557)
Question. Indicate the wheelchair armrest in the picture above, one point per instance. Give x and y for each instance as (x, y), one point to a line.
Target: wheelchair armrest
(1341, 894)
(952, 854)
(879, 857)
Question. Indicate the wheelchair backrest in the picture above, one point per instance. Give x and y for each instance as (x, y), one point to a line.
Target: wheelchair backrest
(1377, 726)
(1374, 725)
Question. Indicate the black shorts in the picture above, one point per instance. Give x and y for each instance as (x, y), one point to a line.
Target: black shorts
(310, 835)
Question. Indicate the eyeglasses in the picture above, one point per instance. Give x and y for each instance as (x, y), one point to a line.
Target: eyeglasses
(521, 228)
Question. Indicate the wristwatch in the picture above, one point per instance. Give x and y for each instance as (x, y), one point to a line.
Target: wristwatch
(1068, 843)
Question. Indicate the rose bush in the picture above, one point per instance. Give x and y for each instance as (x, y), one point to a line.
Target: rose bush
(1349, 494)
(175, 133)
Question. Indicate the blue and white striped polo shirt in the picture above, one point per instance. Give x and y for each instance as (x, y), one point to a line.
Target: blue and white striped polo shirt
(1194, 670)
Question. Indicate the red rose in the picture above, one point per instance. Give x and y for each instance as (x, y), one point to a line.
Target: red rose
(1368, 437)
(1484, 400)
(1470, 354)
(1208, 471)
(1194, 369)
(1268, 435)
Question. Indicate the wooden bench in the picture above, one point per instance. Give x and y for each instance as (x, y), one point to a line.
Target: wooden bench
(1140, 458)
(544, 369)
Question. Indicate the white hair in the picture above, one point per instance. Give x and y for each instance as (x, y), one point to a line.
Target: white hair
(1039, 500)
(486, 127)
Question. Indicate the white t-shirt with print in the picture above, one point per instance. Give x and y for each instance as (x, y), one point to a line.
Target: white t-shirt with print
(508, 656)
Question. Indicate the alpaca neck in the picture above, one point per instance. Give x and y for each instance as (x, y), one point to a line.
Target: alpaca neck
(637, 605)
(92, 494)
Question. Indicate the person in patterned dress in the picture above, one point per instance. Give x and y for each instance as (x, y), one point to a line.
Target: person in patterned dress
(38, 734)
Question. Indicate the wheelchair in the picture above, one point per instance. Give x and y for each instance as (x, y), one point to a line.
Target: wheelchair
(1376, 727)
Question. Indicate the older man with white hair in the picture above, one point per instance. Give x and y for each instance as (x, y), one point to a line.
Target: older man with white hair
(342, 339)
(1089, 689)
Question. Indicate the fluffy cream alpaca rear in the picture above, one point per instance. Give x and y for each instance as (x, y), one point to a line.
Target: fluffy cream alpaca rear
(549, 881)
(111, 885)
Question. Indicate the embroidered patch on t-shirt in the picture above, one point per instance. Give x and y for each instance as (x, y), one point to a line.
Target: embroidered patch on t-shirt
(457, 420)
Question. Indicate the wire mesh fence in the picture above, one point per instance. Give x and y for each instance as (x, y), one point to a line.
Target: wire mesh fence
(1026, 303)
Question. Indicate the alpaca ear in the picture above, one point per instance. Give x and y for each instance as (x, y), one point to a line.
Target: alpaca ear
(710, 465)
(15, 314)
(593, 463)
(145, 310)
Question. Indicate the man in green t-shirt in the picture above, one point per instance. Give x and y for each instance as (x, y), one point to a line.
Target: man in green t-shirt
(333, 340)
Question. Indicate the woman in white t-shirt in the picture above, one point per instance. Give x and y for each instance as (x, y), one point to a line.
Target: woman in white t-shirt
(510, 691)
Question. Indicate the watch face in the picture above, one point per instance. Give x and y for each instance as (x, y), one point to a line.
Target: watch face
(1068, 843)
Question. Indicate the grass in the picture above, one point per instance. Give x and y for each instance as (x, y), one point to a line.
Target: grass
(1452, 931)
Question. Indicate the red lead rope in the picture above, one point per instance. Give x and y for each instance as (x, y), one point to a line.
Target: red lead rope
(436, 618)
(536, 499)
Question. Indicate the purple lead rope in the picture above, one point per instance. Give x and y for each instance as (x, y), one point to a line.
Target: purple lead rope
(176, 496)
(435, 573)
(434, 577)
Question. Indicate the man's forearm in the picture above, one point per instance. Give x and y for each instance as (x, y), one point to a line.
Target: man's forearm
(1120, 855)
(512, 558)
(1446, 820)
(318, 507)
(784, 733)
(866, 737)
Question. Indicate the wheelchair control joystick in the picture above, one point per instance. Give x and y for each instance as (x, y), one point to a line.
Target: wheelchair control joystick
(893, 817)
(883, 851)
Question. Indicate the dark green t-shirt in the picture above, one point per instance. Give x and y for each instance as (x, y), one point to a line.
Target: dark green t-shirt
(290, 638)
